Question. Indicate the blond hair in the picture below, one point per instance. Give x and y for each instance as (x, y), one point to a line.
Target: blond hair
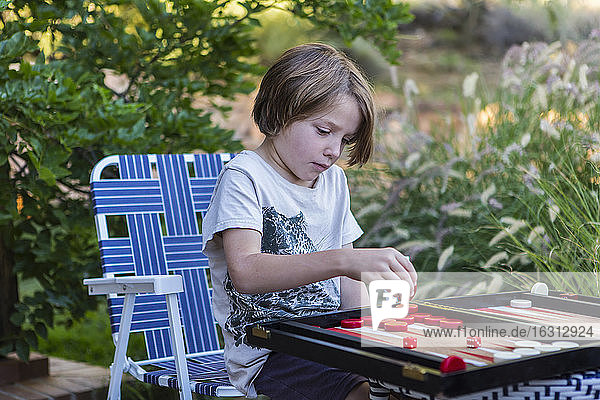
(307, 79)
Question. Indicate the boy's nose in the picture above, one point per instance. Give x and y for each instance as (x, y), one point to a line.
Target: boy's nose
(333, 149)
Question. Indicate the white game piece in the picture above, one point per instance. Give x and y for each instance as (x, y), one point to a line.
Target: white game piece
(540, 288)
(505, 355)
(526, 351)
(545, 348)
(527, 343)
(565, 345)
(520, 303)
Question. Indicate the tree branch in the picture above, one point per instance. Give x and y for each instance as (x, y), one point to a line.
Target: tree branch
(73, 187)
(17, 123)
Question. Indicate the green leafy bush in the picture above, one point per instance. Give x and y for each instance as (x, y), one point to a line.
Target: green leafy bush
(63, 110)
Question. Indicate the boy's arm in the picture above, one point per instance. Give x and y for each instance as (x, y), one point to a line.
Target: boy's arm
(354, 293)
(254, 272)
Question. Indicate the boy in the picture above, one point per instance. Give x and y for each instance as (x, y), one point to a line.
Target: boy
(279, 230)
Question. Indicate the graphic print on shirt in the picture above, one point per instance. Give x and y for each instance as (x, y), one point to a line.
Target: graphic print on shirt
(281, 235)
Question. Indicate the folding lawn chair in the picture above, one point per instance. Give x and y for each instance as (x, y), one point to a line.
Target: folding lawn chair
(148, 211)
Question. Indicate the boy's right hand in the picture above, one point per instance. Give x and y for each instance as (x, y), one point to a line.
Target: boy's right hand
(376, 264)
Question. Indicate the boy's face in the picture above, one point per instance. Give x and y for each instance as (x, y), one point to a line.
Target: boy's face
(308, 147)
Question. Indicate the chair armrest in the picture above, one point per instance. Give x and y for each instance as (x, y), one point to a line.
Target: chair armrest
(155, 284)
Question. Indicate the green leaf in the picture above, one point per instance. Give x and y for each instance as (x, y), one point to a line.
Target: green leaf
(47, 175)
(17, 45)
(17, 318)
(138, 129)
(22, 349)
(31, 338)
(34, 159)
(53, 156)
(45, 314)
(40, 329)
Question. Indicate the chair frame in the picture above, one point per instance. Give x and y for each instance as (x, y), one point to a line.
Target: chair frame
(171, 286)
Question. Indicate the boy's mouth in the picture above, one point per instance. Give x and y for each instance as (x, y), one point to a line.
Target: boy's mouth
(321, 166)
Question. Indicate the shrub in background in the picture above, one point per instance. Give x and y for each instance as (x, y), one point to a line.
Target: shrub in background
(514, 187)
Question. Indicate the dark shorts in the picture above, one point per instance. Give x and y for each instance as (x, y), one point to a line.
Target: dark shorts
(285, 377)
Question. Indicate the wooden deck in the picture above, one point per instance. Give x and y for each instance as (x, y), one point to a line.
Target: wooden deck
(52, 378)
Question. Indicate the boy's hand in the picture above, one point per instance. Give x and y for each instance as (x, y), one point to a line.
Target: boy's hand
(387, 263)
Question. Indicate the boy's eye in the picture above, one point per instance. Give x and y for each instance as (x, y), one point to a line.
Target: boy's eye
(322, 131)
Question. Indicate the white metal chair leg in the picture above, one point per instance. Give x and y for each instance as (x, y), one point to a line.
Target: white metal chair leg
(118, 365)
(175, 330)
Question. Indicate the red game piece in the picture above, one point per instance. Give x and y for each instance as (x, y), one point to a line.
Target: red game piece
(409, 342)
(352, 323)
(413, 308)
(384, 321)
(409, 320)
(473, 342)
(395, 326)
(367, 320)
(433, 320)
(570, 296)
(420, 316)
(452, 364)
(451, 323)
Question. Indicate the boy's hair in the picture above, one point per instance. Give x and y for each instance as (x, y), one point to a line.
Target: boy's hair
(308, 79)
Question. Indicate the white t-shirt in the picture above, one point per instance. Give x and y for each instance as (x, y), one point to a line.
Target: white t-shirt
(292, 219)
